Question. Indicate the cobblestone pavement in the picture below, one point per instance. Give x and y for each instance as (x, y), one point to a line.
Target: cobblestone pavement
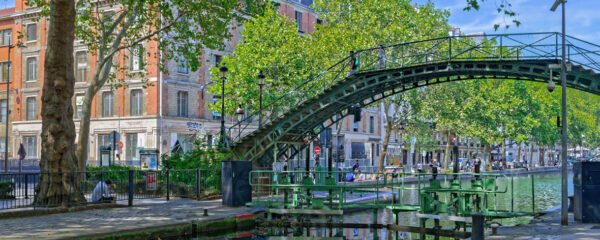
(548, 227)
(149, 213)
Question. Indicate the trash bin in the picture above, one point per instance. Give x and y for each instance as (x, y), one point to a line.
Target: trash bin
(586, 201)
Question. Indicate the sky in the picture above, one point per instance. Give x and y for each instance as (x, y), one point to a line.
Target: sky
(582, 17)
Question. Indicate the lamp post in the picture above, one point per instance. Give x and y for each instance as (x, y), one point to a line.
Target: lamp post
(223, 70)
(563, 75)
(8, 107)
(261, 83)
(239, 112)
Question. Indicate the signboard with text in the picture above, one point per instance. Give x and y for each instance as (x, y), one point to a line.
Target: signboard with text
(151, 181)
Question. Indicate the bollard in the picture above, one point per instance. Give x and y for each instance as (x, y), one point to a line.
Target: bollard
(194, 229)
(495, 227)
(478, 230)
(168, 189)
(205, 212)
(130, 189)
(198, 184)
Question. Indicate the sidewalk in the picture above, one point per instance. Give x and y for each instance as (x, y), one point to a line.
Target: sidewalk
(147, 214)
(548, 227)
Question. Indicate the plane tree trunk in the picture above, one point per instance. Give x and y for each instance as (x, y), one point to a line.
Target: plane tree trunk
(58, 185)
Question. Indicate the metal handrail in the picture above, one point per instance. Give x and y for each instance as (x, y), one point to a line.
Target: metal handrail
(436, 50)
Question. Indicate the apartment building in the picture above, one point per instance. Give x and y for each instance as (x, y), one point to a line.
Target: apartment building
(172, 107)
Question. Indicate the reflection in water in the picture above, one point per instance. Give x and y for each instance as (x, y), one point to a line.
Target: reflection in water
(547, 194)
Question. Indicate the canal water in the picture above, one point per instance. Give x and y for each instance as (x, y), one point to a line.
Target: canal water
(547, 194)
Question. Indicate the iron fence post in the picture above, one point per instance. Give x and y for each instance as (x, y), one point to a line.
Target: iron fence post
(168, 185)
(198, 184)
(26, 186)
(130, 189)
(449, 49)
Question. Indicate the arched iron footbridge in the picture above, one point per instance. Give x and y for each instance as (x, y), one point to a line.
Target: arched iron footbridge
(324, 99)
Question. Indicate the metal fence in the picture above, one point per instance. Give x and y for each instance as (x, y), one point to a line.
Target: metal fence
(18, 190)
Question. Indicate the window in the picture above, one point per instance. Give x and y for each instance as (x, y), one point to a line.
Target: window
(137, 58)
(79, 106)
(218, 59)
(31, 69)
(81, 64)
(3, 110)
(216, 115)
(31, 109)
(32, 32)
(299, 20)
(30, 144)
(2, 141)
(6, 70)
(356, 126)
(6, 36)
(371, 124)
(209, 140)
(182, 106)
(107, 104)
(103, 141)
(137, 101)
(182, 65)
(185, 141)
(133, 146)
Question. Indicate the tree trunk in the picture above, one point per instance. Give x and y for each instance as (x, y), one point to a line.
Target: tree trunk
(531, 145)
(84, 128)
(447, 152)
(386, 140)
(58, 184)
(389, 127)
(504, 152)
(519, 153)
(541, 156)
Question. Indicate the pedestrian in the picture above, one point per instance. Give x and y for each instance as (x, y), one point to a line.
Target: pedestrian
(420, 167)
(101, 192)
(353, 64)
(381, 57)
(356, 166)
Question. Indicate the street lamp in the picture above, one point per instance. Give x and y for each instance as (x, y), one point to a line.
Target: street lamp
(564, 204)
(8, 106)
(261, 83)
(239, 112)
(223, 70)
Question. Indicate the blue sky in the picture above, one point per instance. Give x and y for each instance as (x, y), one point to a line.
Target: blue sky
(582, 17)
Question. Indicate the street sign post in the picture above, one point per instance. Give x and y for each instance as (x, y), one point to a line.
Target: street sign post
(317, 150)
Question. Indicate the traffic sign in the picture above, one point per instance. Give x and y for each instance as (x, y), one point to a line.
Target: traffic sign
(120, 145)
(317, 150)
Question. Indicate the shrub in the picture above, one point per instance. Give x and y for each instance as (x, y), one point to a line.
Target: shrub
(7, 190)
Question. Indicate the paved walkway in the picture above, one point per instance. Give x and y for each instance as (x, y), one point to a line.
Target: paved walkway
(149, 213)
(548, 227)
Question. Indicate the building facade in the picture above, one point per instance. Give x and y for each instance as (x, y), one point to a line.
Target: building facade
(154, 115)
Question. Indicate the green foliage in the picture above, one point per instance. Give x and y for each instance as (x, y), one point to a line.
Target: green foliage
(7, 190)
(202, 156)
(503, 7)
(272, 45)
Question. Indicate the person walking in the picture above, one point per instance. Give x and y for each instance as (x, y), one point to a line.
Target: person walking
(353, 64)
(381, 57)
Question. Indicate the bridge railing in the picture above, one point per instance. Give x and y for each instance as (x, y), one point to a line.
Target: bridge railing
(509, 47)
(401, 189)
